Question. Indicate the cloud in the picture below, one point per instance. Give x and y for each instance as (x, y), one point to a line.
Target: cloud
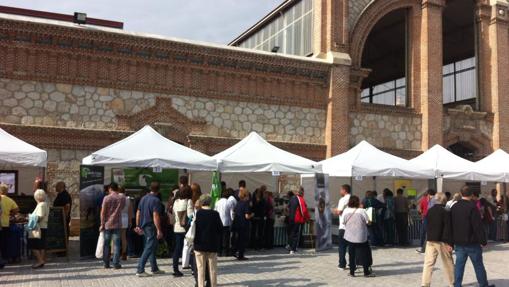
(218, 21)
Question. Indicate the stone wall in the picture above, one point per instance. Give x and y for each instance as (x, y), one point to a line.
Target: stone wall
(65, 105)
(386, 130)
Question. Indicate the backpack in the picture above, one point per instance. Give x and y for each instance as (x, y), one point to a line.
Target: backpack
(302, 213)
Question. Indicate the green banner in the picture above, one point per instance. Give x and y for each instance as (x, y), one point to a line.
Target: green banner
(141, 178)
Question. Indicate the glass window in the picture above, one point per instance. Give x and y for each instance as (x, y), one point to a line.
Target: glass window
(297, 40)
(459, 81)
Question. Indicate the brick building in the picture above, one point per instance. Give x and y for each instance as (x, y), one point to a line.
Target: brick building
(314, 77)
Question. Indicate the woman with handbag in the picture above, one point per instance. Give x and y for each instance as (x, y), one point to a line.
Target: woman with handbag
(356, 222)
(182, 211)
(37, 235)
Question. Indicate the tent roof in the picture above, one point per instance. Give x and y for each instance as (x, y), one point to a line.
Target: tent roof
(366, 160)
(15, 152)
(444, 163)
(148, 148)
(255, 154)
(493, 167)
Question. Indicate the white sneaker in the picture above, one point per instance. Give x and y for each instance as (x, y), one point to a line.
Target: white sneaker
(292, 252)
(143, 274)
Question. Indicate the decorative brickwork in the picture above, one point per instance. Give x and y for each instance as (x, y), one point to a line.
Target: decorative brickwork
(355, 8)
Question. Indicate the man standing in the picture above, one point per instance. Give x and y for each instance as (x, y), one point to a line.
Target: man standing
(297, 217)
(111, 224)
(401, 206)
(439, 241)
(148, 223)
(469, 238)
(342, 205)
(425, 204)
(63, 200)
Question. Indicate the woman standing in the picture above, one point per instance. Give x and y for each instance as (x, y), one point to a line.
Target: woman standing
(37, 238)
(186, 252)
(182, 211)
(241, 223)
(389, 217)
(127, 216)
(356, 223)
(258, 219)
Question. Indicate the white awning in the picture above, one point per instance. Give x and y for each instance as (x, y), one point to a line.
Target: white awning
(494, 167)
(147, 148)
(15, 152)
(366, 160)
(254, 154)
(444, 164)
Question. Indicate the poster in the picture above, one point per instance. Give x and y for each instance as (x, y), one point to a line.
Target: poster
(91, 195)
(9, 178)
(323, 216)
(141, 178)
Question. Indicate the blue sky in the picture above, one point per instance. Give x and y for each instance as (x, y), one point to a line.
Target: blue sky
(217, 21)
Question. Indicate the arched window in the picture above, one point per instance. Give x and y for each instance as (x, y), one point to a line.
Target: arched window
(385, 54)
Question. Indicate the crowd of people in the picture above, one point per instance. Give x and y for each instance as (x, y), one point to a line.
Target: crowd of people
(196, 228)
(448, 224)
(36, 227)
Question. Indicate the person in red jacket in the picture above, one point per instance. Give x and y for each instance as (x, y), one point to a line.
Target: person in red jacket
(298, 215)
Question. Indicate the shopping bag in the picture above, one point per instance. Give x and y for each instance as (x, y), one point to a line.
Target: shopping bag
(100, 246)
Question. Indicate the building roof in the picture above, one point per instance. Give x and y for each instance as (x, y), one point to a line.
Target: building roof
(258, 25)
(152, 36)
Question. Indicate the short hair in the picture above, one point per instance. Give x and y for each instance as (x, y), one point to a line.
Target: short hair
(347, 188)
(476, 193)
(448, 195)
(205, 200)
(114, 186)
(154, 186)
(301, 191)
(441, 198)
(184, 180)
(431, 192)
(40, 195)
(399, 191)
(466, 191)
(354, 202)
(4, 188)
(243, 193)
(457, 196)
(242, 183)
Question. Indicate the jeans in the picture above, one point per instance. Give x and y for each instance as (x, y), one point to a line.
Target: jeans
(295, 236)
(149, 249)
(424, 227)
(343, 247)
(110, 234)
(474, 252)
(177, 251)
(402, 227)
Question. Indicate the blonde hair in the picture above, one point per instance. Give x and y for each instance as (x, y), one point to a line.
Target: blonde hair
(4, 188)
(243, 193)
(40, 195)
(441, 198)
(457, 196)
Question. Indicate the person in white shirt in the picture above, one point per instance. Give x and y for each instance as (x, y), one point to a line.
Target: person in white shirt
(342, 204)
(225, 207)
(356, 220)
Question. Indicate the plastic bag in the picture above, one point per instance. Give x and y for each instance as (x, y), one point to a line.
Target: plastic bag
(100, 246)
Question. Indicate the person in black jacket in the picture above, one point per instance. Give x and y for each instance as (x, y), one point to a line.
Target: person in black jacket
(206, 240)
(468, 238)
(439, 241)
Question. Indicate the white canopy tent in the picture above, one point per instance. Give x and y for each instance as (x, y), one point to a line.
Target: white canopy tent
(366, 160)
(16, 153)
(494, 167)
(148, 148)
(444, 164)
(254, 154)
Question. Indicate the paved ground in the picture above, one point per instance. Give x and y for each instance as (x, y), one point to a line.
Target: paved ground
(394, 267)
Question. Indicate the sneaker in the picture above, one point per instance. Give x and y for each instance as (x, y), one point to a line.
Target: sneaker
(143, 274)
(187, 267)
(158, 272)
(117, 266)
(419, 251)
(292, 252)
(177, 274)
(242, 258)
(106, 266)
(370, 275)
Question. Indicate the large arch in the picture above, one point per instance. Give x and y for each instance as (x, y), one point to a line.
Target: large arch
(373, 13)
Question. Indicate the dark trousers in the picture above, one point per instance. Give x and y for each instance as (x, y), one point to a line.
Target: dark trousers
(241, 241)
(424, 226)
(257, 229)
(389, 231)
(169, 239)
(296, 233)
(225, 246)
(402, 227)
(359, 253)
(269, 233)
(342, 247)
(177, 252)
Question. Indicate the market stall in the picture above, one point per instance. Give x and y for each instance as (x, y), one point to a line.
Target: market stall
(253, 154)
(133, 162)
(20, 164)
